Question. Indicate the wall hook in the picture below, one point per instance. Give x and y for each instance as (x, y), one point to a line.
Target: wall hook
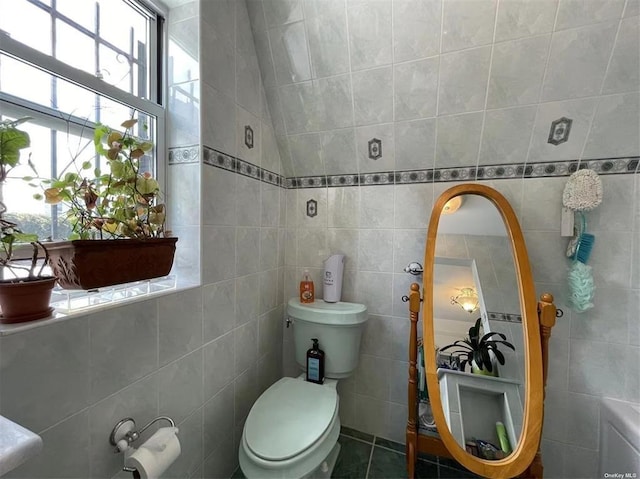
(414, 269)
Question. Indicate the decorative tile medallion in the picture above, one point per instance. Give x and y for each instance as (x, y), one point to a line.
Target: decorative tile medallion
(248, 136)
(312, 208)
(559, 132)
(375, 148)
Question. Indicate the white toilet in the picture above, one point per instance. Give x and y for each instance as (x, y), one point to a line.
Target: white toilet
(292, 430)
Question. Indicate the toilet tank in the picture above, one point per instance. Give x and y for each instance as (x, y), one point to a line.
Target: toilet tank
(338, 327)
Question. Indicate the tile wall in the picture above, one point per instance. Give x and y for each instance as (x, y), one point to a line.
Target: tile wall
(183, 138)
(460, 90)
(382, 228)
(446, 83)
(202, 355)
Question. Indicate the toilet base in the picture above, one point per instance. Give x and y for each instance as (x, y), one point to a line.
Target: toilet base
(325, 469)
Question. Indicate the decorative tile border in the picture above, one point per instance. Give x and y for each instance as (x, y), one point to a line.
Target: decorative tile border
(605, 166)
(219, 159)
(184, 154)
(506, 317)
(227, 162)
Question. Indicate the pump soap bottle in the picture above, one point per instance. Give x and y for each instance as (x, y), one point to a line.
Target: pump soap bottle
(315, 363)
(306, 288)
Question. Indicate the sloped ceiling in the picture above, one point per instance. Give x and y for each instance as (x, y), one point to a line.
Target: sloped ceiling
(357, 86)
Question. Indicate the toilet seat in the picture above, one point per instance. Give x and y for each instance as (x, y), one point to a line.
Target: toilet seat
(289, 418)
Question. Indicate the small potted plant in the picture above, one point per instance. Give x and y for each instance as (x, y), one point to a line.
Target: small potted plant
(475, 350)
(118, 224)
(25, 291)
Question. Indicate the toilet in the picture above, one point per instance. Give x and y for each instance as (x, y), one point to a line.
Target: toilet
(292, 429)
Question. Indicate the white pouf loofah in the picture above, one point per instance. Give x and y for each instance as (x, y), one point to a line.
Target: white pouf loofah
(583, 191)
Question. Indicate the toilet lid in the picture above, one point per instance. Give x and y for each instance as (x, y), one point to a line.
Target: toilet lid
(288, 418)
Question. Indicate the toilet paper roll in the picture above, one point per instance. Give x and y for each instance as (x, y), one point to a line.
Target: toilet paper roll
(156, 454)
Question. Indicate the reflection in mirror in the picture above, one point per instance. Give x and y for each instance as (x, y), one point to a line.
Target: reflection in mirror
(475, 293)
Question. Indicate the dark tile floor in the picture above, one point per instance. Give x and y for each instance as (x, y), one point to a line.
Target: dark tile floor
(363, 456)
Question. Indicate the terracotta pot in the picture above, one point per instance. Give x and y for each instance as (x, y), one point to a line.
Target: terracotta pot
(91, 264)
(25, 300)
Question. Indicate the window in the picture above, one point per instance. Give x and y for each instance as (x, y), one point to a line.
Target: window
(69, 64)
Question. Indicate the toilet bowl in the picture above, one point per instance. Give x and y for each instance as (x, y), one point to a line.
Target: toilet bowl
(292, 429)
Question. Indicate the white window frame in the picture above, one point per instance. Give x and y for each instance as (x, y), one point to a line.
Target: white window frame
(14, 106)
(18, 107)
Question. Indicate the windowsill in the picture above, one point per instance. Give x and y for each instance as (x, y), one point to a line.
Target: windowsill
(73, 303)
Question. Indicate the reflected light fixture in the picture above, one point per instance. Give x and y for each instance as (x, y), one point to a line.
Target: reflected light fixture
(467, 299)
(452, 205)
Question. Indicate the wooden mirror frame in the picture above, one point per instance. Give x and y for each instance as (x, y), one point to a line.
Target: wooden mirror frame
(523, 454)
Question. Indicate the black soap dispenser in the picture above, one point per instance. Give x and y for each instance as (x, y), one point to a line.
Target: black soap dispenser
(315, 363)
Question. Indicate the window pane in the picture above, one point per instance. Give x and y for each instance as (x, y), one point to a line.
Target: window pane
(116, 70)
(12, 75)
(121, 25)
(118, 52)
(75, 48)
(83, 13)
(127, 45)
(104, 37)
(18, 196)
(54, 153)
(21, 19)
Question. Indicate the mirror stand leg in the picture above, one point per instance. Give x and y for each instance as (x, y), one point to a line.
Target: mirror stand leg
(412, 440)
(535, 469)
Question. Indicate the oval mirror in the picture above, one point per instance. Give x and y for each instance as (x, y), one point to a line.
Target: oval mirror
(480, 321)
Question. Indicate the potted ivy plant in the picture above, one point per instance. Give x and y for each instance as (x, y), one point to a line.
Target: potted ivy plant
(118, 224)
(25, 290)
(475, 350)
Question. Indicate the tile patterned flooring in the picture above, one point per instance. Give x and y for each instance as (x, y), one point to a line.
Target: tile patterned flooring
(364, 456)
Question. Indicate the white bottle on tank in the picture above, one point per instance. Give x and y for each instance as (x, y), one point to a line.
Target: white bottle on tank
(332, 279)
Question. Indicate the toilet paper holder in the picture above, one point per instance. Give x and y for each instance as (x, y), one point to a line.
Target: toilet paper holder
(125, 430)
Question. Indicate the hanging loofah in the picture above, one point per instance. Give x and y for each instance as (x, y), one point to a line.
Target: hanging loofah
(581, 287)
(583, 191)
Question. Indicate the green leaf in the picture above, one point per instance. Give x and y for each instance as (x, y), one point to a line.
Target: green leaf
(25, 238)
(100, 131)
(38, 197)
(27, 178)
(11, 142)
(86, 165)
